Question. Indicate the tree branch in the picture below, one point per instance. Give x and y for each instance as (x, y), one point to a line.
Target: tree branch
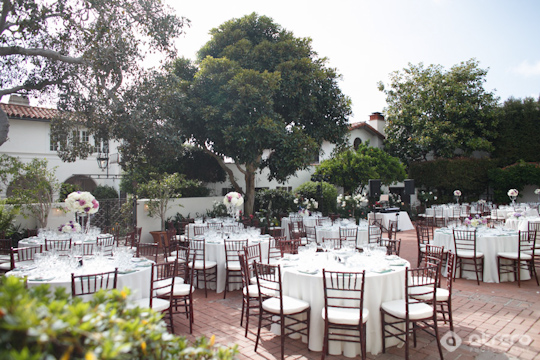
(50, 54)
(229, 172)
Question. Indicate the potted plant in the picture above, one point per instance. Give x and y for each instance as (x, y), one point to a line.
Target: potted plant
(159, 190)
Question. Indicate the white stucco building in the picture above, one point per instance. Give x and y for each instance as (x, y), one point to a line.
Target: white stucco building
(29, 137)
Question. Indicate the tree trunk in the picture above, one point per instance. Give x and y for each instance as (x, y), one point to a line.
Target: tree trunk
(4, 127)
(249, 201)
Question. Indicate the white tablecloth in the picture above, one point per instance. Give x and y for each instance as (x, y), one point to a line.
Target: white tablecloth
(137, 279)
(490, 242)
(215, 251)
(521, 223)
(378, 289)
(404, 222)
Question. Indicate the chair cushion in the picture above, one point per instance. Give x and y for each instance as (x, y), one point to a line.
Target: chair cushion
(183, 289)
(345, 316)
(157, 304)
(468, 254)
(199, 264)
(6, 266)
(178, 280)
(233, 265)
(441, 294)
(514, 255)
(253, 290)
(290, 305)
(417, 311)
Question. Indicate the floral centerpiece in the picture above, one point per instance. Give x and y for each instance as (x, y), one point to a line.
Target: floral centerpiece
(347, 204)
(303, 212)
(475, 221)
(233, 201)
(305, 206)
(457, 194)
(517, 215)
(513, 194)
(83, 203)
(70, 227)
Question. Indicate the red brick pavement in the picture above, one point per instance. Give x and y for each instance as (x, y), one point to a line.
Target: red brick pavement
(494, 321)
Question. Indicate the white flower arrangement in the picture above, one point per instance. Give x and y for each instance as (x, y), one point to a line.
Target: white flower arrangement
(457, 193)
(475, 221)
(82, 202)
(303, 212)
(233, 199)
(513, 192)
(70, 227)
(537, 191)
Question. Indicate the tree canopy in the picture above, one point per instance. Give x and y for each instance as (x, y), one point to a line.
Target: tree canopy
(435, 112)
(82, 51)
(256, 87)
(518, 128)
(352, 169)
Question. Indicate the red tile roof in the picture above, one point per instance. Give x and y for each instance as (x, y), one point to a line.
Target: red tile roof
(368, 127)
(28, 112)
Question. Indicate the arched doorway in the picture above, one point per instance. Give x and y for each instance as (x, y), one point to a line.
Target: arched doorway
(82, 182)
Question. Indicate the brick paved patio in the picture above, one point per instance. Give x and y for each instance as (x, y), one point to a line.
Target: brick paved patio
(494, 321)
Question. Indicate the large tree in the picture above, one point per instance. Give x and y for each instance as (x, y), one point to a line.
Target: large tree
(519, 129)
(256, 87)
(352, 169)
(433, 112)
(81, 51)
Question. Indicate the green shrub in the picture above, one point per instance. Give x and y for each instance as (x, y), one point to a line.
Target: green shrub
(274, 201)
(309, 190)
(35, 324)
(105, 192)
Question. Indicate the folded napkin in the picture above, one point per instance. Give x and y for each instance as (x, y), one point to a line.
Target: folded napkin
(127, 271)
(398, 263)
(382, 270)
(40, 278)
(308, 271)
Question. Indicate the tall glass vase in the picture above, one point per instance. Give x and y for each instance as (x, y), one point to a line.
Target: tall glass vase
(84, 220)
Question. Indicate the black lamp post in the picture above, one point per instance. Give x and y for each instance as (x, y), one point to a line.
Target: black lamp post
(319, 178)
(103, 161)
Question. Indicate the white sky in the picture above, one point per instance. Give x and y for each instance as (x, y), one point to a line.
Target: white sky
(366, 40)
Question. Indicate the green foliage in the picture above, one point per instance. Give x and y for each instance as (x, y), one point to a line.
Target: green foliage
(34, 188)
(257, 87)
(7, 216)
(310, 190)
(518, 128)
(430, 111)
(37, 324)
(105, 192)
(352, 170)
(274, 202)
(516, 176)
(219, 209)
(66, 189)
(83, 52)
(443, 176)
(159, 190)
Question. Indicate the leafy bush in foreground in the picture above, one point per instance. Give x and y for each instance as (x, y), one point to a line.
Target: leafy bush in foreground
(35, 324)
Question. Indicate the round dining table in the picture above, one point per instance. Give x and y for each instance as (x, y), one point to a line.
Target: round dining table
(215, 251)
(490, 242)
(135, 275)
(385, 281)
